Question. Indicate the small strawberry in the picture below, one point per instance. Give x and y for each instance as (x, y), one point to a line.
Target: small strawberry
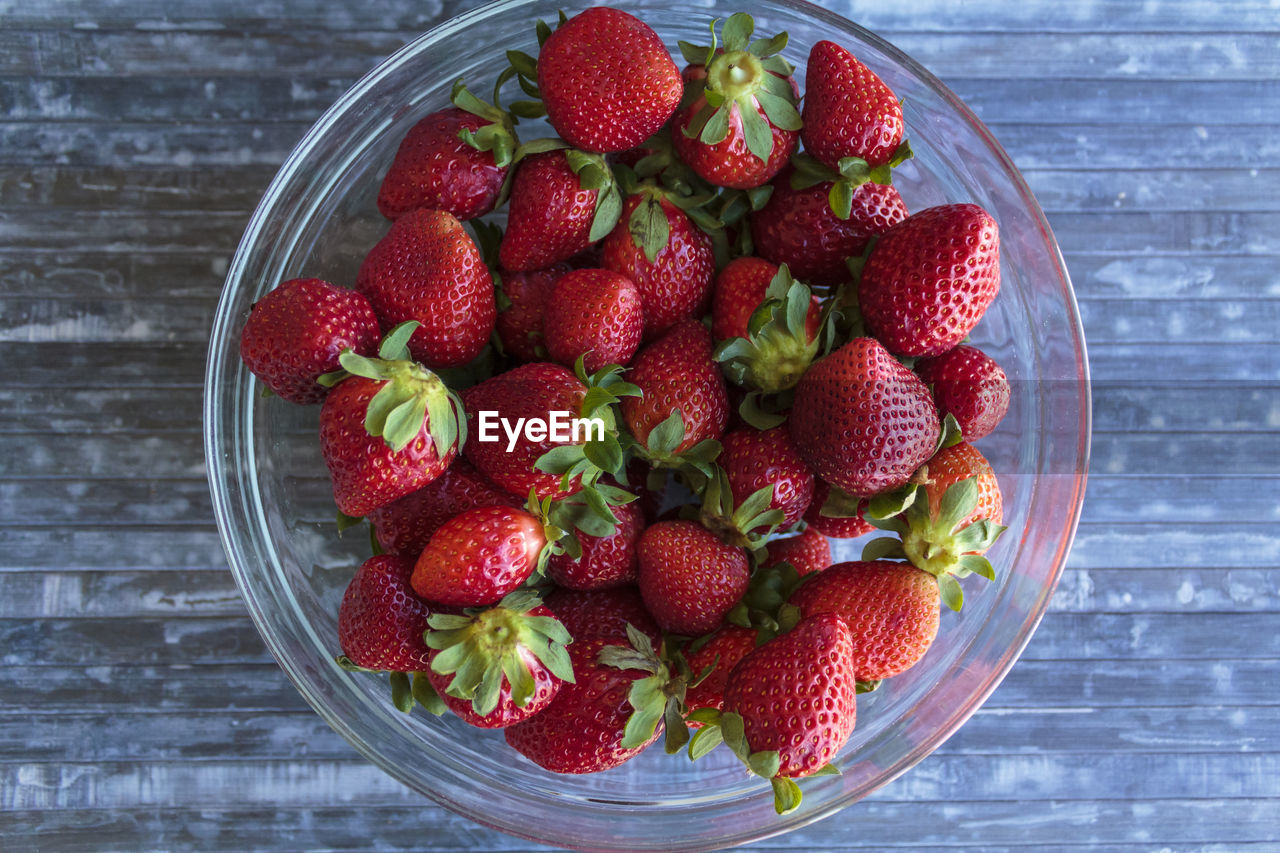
(496, 666)
(388, 429)
(808, 551)
(741, 287)
(606, 80)
(405, 525)
(754, 459)
(594, 313)
(844, 516)
(480, 555)
(602, 613)
(798, 227)
(862, 421)
(720, 653)
(740, 124)
(606, 561)
(671, 261)
(428, 269)
(521, 303)
(891, 610)
(582, 730)
(848, 110)
(562, 201)
(381, 619)
(296, 332)
(968, 384)
(454, 160)
(689, 578)
(929, 279)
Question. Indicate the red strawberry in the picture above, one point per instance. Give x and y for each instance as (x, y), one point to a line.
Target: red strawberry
(676, 372)
(405, 525)
(862, 421)
(740, 288)
(754, 459)
(672, 263)
(930, 278)
(739, 124)
(837, 527)
(891, 610)
(689, 579)
(607, 80)
(795, 695)
(603, 613)
(295, 333)
(593, 313)
(721, 652)
(848, 110)
(606, 561)
(381, 620)
(478, 556)
(960, 462)
(797, 227)
(531, 391)
(428, 269)
(562, 201)
(969, 385)
(581, 731)
(807, 552)
(519, 322)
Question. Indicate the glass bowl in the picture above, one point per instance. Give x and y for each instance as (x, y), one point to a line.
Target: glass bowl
(275, 511)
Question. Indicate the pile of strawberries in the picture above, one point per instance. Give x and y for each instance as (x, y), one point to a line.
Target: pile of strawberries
(769, 346)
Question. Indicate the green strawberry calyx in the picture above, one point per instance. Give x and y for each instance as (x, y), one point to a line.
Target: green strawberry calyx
(764, 606)
(498, 136)
(407, 688)
(745, 525)
(662, 451)
(659, 697)
(411, 395)
(484, 647)
(648, 224)
(746, 77)
(853, 173)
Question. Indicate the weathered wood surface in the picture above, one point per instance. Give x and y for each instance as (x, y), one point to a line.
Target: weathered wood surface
(142, 712)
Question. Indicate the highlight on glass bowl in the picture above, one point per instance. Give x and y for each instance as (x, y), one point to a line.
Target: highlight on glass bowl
(647, 427)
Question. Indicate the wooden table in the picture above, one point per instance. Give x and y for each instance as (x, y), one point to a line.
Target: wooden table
(135, 138)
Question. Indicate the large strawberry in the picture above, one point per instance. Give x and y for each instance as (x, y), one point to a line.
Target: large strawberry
(891, 610)
(862, 421)
(848, 110)
(607, 80)
(381, 619)
(605, 561)
(740, 124)
(798, 227)
(388, 429)
(454, 160)
(688, 577)
(296, 332)
(671, 261)
(480, 555)
(562, 201)
(602, 613)
(595, 314)
(929, 279)
(428, 269)
(521, 303)
(405, 525)
(807, 552)
(969, 385)
(582, 730)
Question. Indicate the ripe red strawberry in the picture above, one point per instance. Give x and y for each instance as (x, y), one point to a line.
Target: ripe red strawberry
(561, 202)
(519, 322)
(891, 610)
(594, 313)
(531, 391)
(428, 269)
(740, 288)
(689, 579)
(607, 80)
(581, 731)
(295, 333)
(676, 372)
(797, 227)
(606, 561)
(960, 462)
(381, 619)
(721, 652)
(836, 527)
(930, 278)
(603, 613)
(478, 556)
(506, 713)
(848, 110)
(674, 275)
(405, 525)
(862, 421)
(754, 459)
(795, 695)
(807, 552)
(969, 385)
